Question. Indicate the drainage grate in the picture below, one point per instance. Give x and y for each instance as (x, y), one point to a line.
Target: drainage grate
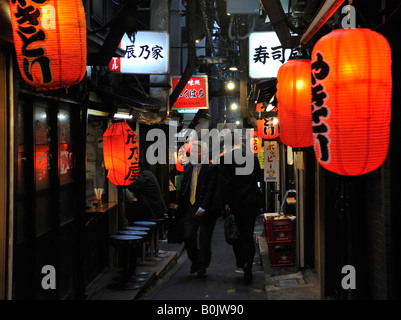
(288, 282)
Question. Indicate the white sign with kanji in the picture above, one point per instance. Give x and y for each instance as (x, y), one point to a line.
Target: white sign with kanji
(149, 54)
(266, 55)
(272, 163)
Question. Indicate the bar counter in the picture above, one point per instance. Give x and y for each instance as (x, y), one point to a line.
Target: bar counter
(103, 208)
(100, 223)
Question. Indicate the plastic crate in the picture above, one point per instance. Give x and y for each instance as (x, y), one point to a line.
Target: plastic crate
(282, 254)
(280, 230)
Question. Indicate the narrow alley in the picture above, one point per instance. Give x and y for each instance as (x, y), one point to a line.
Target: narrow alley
(223, 281)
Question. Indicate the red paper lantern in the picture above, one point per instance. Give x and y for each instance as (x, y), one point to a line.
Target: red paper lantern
(294, 103)
(255, 142)
(268, 128)
(121, 154)
(50, 41)
(178, 165)
(351, 100)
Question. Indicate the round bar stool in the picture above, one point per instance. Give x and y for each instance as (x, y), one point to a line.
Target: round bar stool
(145, 236)
(153, 226)
(138, 228)
(142, 234)
(126, 246)
(159, 228)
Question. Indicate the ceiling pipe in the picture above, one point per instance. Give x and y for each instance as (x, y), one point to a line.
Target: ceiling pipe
(324, 14)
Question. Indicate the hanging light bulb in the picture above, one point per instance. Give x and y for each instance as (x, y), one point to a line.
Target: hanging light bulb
(233, 65)
(230, 85)
(233, 68)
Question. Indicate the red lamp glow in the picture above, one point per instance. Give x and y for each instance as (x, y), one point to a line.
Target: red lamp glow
(50, 41)
(351, 100)
(255, 142)
(121, 154)
(294, 103)
(268, 128)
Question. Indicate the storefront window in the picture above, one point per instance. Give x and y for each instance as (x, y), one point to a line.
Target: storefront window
(66, 156)
(42, 148)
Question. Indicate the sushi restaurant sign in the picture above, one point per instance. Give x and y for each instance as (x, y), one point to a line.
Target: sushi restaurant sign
(266, 55)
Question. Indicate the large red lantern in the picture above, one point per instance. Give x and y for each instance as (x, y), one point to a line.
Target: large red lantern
(294, 103)
(121, 154)
(351, 100)
(50, 41)
(268, 128)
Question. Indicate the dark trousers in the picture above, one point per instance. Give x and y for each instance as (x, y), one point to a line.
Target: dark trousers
(244, 246)
(199, 253)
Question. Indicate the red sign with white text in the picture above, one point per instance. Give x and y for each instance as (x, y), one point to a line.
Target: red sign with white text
(194, 95)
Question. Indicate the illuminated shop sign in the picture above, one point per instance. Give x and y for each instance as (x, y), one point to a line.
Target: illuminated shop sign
(149, 54)
(194, 95)
(266, 55)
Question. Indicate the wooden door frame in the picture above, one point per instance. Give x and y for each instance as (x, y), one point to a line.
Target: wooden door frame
(6, 174)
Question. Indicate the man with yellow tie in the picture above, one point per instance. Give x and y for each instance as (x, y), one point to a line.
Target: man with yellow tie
(196, 203)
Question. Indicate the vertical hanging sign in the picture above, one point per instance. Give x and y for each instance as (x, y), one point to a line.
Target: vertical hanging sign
(272, 164)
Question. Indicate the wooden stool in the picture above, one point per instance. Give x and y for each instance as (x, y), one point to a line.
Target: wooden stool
(126, 246)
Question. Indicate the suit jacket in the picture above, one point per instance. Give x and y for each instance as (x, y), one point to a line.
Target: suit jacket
(241, 192)
(205, 190)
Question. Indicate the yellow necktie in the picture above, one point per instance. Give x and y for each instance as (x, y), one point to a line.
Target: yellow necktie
(194, 182)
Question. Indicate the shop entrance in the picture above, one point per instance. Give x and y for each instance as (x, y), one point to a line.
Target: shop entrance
(47, 196)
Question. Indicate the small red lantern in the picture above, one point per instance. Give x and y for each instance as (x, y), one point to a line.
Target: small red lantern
(294, 103)
(351, 100)
(50, 41)
(121, 154)
(268, 128)
(255, 142)
(181, 158)
(178, 165)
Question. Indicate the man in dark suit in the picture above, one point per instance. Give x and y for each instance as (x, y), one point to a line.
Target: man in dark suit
(150, 204)
(196, 205)
(241, 195)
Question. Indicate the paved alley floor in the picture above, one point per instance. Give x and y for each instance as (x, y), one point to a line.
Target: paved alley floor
(223, 282)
